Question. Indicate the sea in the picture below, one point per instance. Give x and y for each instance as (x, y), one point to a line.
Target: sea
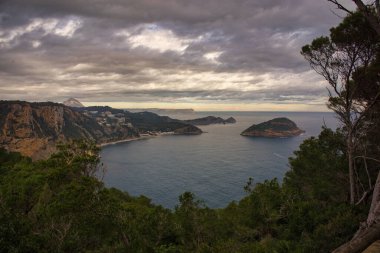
(215, 165)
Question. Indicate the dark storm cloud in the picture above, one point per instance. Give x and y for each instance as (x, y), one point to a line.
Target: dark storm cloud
(169, 49)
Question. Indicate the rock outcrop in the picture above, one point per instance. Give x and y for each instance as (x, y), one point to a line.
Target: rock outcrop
(278, 127)
(72, 102)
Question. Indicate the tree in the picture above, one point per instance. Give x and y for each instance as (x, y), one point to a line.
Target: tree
(318, 169)
(370, 11)
(350, 48)
(80, 155)
(369, 230)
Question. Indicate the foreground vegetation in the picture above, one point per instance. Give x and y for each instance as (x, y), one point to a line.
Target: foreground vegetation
(59, 205)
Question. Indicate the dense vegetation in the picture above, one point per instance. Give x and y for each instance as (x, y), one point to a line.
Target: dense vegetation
(59, 205)
(349, 61)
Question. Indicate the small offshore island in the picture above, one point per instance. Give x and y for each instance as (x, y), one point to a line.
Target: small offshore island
(277, 127)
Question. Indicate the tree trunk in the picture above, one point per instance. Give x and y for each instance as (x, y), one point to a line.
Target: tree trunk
(362, 241)
(351, 173)
(369, 232)
(374, 211)
(373, 18)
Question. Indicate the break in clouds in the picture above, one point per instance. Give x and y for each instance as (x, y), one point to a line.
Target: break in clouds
(204, 51)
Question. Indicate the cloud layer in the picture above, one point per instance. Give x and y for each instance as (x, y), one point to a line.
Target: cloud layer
(169, 51)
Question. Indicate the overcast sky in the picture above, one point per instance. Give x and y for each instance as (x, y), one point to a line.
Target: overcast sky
(202, 54)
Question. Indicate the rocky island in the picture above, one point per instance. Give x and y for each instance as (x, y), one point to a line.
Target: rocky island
(278, 127)
(210, 120)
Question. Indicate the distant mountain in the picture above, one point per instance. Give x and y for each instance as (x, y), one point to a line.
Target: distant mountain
(72, 102)
(210, 120)
(164, 111)
(278, 127)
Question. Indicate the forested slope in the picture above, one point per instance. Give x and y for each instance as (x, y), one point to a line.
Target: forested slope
(59, 205)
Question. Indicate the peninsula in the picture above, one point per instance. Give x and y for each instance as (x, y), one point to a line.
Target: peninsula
(34, 129)
(210, 120)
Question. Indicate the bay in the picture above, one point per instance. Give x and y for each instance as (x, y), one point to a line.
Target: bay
(215, 166)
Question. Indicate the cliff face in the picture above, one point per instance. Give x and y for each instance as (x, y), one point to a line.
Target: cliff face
(33, 129)
(278, 127)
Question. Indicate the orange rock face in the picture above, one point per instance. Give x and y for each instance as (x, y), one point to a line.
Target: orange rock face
(33, 129)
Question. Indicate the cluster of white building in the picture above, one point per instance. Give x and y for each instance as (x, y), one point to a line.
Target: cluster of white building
(109, 119)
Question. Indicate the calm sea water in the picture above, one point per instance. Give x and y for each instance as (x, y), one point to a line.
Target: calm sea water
(215, 165)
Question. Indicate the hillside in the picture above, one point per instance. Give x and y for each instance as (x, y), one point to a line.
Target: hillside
(188, 130)
(278, 127)
(210, 120)
(33, 129)
(59, 205)
(143, 121)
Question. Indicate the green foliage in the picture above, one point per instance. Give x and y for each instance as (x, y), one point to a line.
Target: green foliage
(319, 168)
(349, 61)
(58, 205)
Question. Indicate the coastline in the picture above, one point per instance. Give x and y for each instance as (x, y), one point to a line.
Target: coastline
(141, 137)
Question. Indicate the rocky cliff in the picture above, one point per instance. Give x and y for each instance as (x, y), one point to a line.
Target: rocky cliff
(278, 127)
(33, 129)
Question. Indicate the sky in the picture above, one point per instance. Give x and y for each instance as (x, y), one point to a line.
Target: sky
(239, 55)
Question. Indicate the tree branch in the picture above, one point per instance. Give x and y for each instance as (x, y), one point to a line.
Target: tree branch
(372, 19)
(339, 6)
